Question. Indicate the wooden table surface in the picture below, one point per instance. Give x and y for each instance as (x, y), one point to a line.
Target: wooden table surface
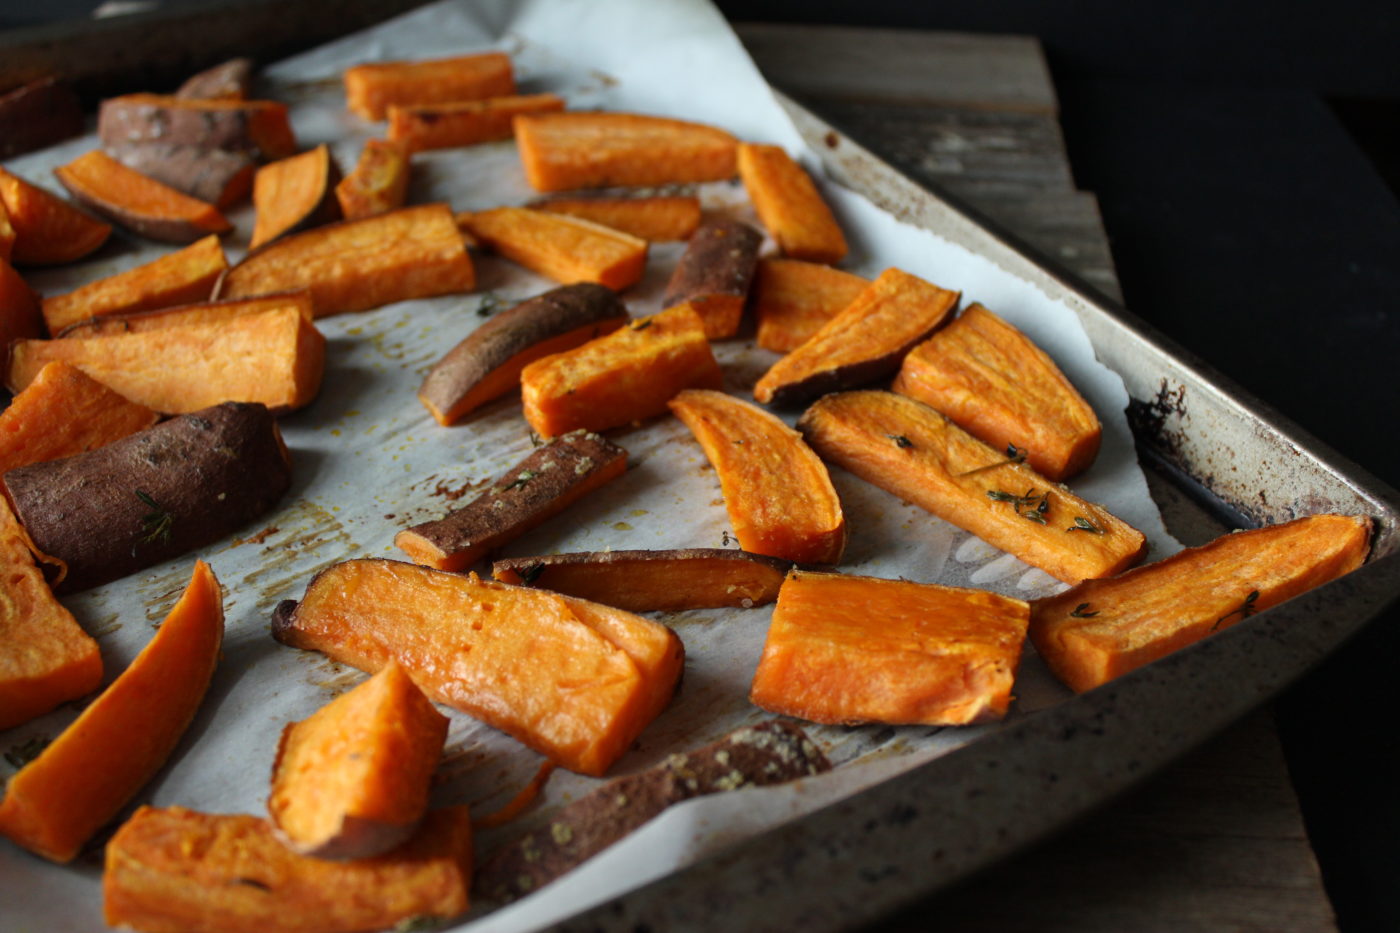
(1216, 841)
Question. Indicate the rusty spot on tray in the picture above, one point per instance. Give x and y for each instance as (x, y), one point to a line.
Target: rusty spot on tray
(451, 493)
(1149, 418)
(831, 139)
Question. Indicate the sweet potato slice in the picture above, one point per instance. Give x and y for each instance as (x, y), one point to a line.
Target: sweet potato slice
(176, 278)
(20, 317)
(792, 299)
(356, 265)
(137, 202)
(371, 88)
(230, 80)
(38, 114)
(7, 233)
(259, 128)
(152, 495)
(754, 756)
(451, 124)
(1102, 629)
(204, 312)
(1000, 387)
(175, 870)
(378, 183)
(563, 151)
(47, 230)
(351, 780)
(566, 249)
(215, 176)
(45, 656)
(86, 775)
(789, 205)
(656, 219)
(295, 194)
(777, 492)
(653, 581)
(912, 451)
(275, 357)
(714, 274)
(64, 412)
(864, 342)
(847, 649)
(487, 364)
(541, 486)
(576, 681)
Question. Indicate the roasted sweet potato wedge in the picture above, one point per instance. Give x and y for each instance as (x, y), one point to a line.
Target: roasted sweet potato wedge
(259, 128)
(7, 233)
(566, 249)
(563, 151)
(230, 80)
(864, 342)
(575, 680)
(1102, 629)
(628, 375)
(653, 581)
(789, 205)
(138, 202)
(47, 229)
(176, 869)
(714, 274)
(215, 176)
(908, 449)
(20, 317)
(203, 312)
(378, 183)
(38, 114)
(295, 194)
(487, 364)
(792, 299)
(541, 486)
(777, 492)
(655, 219)
(1000, 387)
(847, 649)
(370, 89)
(464, 122)
(351, 780)
(86, 775)
(356, 265)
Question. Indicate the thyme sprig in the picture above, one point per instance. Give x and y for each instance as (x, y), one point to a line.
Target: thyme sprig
(1030, 506)
(155, 524)
(1082, 611)
(524, 477)
(1014, 454)
(900, 441)
(1083, 524)
(1244, 610)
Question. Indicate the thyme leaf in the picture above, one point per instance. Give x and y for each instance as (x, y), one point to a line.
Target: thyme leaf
(1030, 506)
(1244, 611)
(643, 324)
(1083, 524)
(900, 440)
(1082, 611)
(490, 303)
(520, 480)
(1014, 454)
(155, 524)
(26, 751)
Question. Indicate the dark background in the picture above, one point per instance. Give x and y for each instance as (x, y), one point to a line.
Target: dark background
(1246, 157)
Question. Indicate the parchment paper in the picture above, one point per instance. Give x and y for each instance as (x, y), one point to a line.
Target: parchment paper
(369, 461)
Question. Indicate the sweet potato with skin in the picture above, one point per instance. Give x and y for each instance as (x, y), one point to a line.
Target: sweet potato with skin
(86, 775)
(848, 649)
(575, 680)
(792, 299)
(45, 656)
(378, 183)
(47, 230)
(137, 202)
(351, 780)
(152, 495)
(295, 194)
(753, 756)
(65, 412)
(865, 341)
(204, 312)
(175, 870)
(259, 128)
(912, 451)
(274, 357)
(487, 364)
(176, 278)
(230, 80)
(566, 249)
(371, 88)
(38, 114)
(1102, 629)
(789, 205)
(657, 219)
(215, 176)
(564, 151)
(777, 492)
(1000, 387)
(355, 265)
(626, 376)
(541, 486)
(451, 124)
(714, 274)
(20, 318)
(653, 581)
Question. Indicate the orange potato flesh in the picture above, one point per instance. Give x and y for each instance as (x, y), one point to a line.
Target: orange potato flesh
(176, 278)
(7, 233)
(574, 680)
(1102, 629)
(564, 151)
(464, 123)
(567, 249)
(1000, 387)
(204, 312)
(19, 309)
(293, 194)
(137, 201)
(847, 649)
(777, 492)
(45, 656)
(792, 299)
(47, 229)
(379, 182)
(789, 205)
(912, 451)
(175, 870)
(371, 88)
(628, 375)
(86, 775)
(656, 220)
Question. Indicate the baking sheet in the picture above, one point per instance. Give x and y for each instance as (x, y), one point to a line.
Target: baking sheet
(370, 461)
